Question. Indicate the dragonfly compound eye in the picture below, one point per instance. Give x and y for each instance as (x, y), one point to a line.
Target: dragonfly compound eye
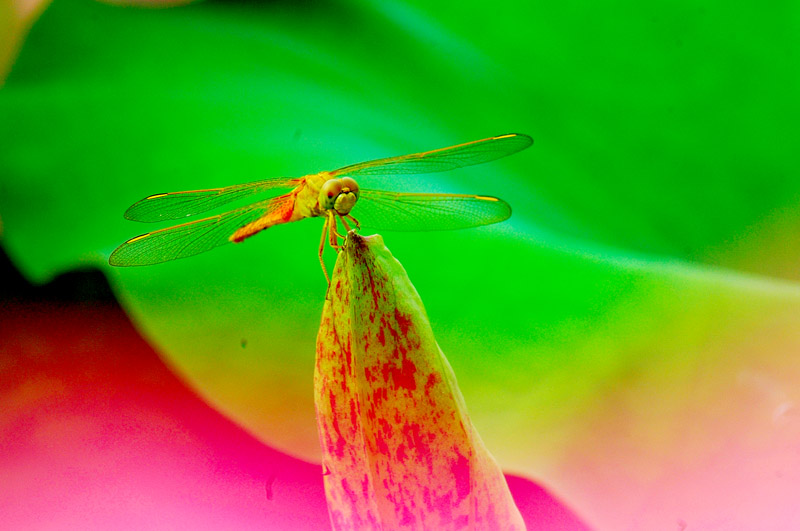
(328, 193)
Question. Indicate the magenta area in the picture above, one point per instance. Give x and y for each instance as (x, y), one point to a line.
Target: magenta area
(98, 433)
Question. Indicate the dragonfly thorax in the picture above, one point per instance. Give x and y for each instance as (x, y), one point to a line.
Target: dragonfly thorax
(339, 195)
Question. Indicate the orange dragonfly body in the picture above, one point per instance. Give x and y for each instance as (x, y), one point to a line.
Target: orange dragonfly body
(331, 195)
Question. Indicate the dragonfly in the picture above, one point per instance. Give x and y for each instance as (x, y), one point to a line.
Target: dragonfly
(331, 195)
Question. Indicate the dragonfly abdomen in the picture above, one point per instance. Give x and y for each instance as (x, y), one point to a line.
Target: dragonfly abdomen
(284, 214)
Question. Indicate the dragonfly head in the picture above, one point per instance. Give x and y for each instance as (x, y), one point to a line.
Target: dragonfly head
(339, 195)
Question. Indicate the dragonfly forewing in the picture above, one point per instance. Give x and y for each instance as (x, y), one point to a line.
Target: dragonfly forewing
(444, 159)
(177, 205)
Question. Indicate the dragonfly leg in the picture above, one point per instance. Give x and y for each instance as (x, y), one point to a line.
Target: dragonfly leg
(334, 234)
(344, 222)
(321, 249)
(354, 220)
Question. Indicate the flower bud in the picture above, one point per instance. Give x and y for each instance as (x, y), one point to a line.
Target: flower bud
(399, 451)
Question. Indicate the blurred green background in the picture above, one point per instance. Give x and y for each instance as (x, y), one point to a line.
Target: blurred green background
(653, 234)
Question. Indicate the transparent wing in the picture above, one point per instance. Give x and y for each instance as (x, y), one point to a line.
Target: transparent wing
(176, 205)
(192, 238)
(425, 212)
(476, 152)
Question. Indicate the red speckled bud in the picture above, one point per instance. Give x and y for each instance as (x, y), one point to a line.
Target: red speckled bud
(399, 451)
